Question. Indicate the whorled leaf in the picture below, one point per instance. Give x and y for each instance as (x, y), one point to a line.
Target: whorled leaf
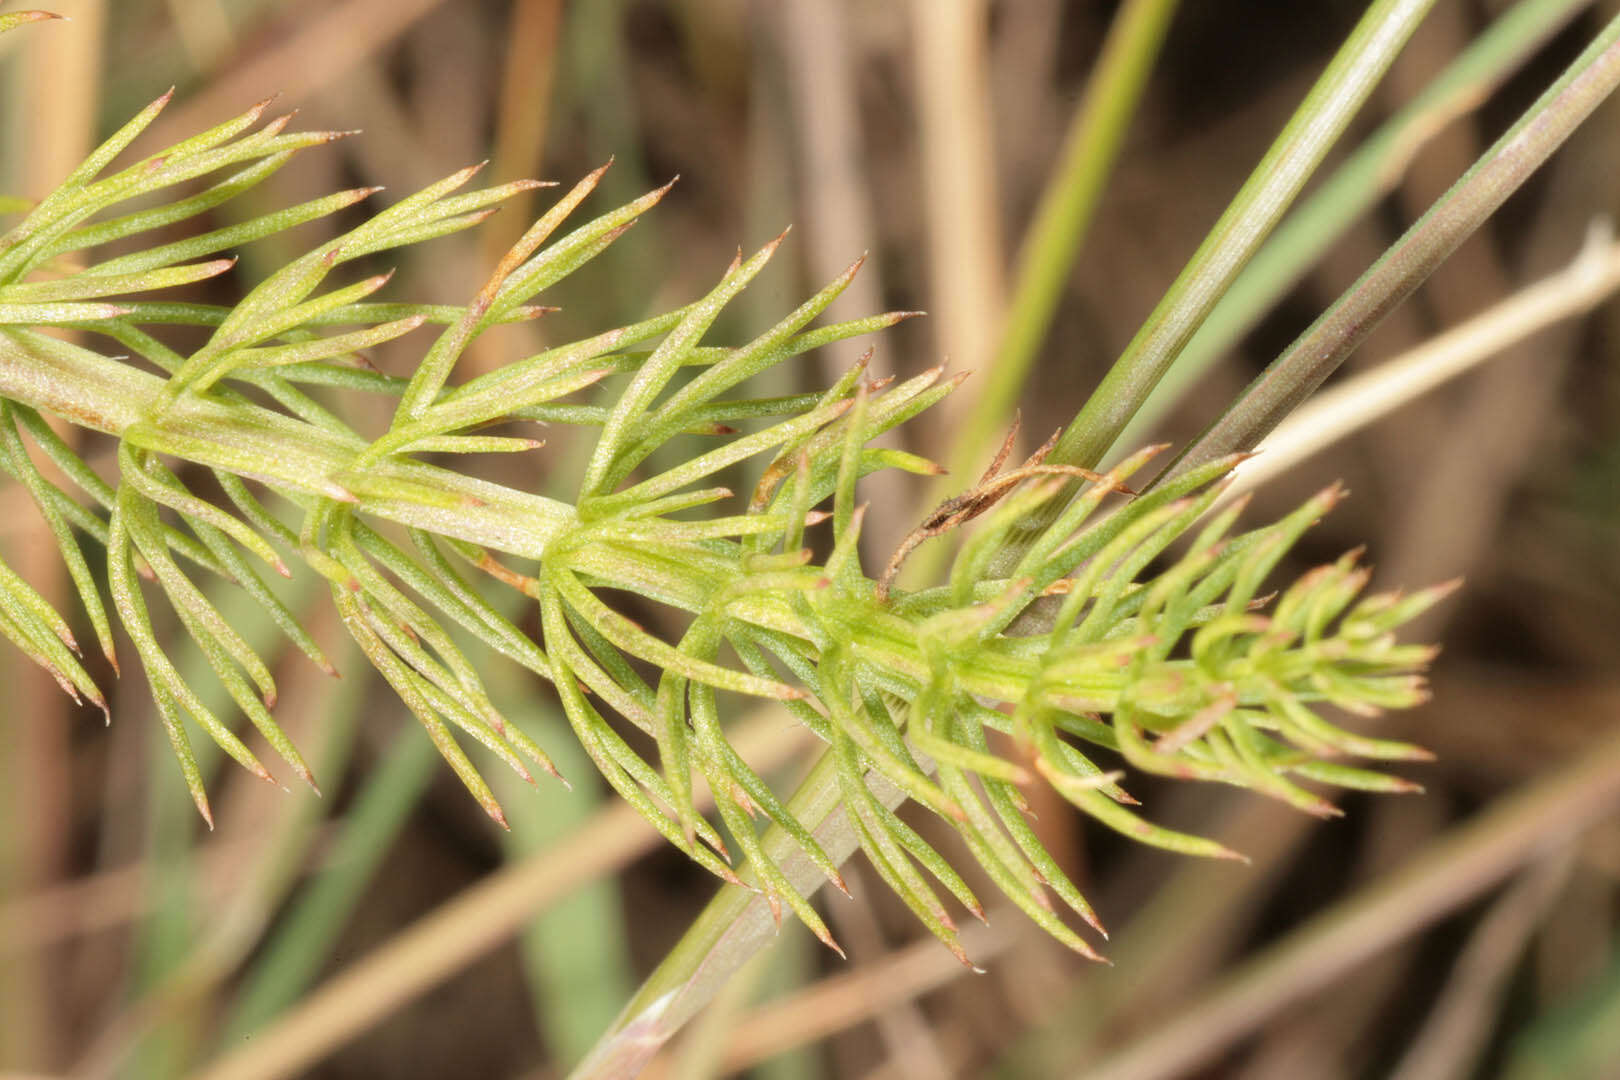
(1078, 666)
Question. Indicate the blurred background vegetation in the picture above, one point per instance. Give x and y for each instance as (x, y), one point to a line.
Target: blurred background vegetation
(132, 943)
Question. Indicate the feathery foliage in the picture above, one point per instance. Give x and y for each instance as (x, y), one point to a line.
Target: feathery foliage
(1130, 628)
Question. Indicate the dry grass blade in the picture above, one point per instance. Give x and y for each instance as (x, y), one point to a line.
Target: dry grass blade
(479, 919)
(1451, 872)
(1364, 398)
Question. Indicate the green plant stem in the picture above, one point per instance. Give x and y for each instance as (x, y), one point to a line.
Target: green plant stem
(1366, 397)
(1264, 197)
(301, 461)
(292, 457)
(300, 944)
(1456, 216)
(1068, 205)
(1355, 188)
(1293, 156)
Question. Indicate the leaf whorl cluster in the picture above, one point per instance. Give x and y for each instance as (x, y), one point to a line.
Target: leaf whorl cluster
(957, 697)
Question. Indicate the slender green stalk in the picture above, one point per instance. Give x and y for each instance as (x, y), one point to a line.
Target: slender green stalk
(297, 950)
(575, 955)
(1367, 396)
(1340, 91)
(1355, 187)
(112, 397)
(1317, 352)
(1062, 219)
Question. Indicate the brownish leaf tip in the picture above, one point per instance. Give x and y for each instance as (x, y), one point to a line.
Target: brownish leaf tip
(1446, 588)
(1323, 809)
(1333, 495)
(827, 940)
(496, 814)
(67, 687)
(724, 852)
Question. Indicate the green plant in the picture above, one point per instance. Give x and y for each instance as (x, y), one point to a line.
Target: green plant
(1052, 628)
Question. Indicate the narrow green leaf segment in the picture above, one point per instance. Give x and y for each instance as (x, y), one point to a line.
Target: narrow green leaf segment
(1095, 654)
